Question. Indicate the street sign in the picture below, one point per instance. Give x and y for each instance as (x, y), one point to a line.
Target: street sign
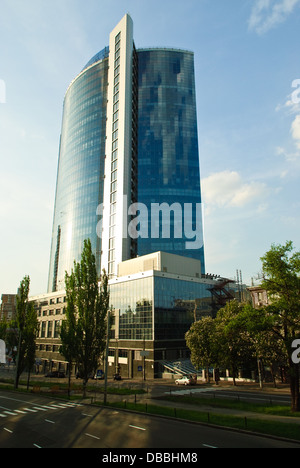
(2, 352)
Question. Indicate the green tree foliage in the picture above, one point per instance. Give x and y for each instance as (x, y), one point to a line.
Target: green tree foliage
(241, 333)
(235, 346)
(201, 341)
(281, 279)
(83, 333)
(27, 326)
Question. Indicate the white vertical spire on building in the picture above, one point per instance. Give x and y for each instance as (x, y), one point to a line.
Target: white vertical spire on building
(117, 183)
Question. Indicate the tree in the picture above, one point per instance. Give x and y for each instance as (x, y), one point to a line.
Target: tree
(233, 339)
(27, 326)
(266, 347)
(200, 340)
(221, 342)
(83, 333)
(68, 333)
(281, 270)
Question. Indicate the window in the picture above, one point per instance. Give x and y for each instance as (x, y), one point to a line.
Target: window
(114, 165)
(114, 176)
(43, 330)
(56, 328)
(50, 328)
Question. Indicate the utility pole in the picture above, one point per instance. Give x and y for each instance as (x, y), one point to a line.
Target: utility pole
(17, 361)
(106, 357)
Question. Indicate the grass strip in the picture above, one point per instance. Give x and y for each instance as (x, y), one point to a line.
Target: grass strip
(9, 383)
(274, 428)
(261, 408)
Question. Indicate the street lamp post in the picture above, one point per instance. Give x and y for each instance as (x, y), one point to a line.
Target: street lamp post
(18, 360)
(106, 357)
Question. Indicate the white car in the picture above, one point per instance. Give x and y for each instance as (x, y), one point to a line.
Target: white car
(183, 381)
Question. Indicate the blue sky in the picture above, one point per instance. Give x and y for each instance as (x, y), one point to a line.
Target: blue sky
(246, 59)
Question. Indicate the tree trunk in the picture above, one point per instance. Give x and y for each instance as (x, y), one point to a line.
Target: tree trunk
(294, 387)
(259, 373)
(273, 375)
(84, 387)
(233, 376)
(28, 379)
(207, 375)
(69, 380)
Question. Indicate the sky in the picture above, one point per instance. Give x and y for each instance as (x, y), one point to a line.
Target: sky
(247, 68)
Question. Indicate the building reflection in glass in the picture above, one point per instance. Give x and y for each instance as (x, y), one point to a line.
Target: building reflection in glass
(157, 307)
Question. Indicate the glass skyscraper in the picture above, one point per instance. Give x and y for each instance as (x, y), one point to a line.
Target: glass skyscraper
(168, 156)
(128, 158)
(80, 175)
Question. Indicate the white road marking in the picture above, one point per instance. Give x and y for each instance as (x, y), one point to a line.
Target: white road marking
(58, 406)
(15, 412)
(8, 430)
(90, 435)
(136, 427)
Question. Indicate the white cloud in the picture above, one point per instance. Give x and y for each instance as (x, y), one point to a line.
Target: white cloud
(295, 130)
(292, 156)
(267, 14)
(227, 188)
(291, 106)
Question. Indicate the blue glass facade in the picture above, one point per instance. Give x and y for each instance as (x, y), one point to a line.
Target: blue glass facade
(168, 156)
(174, 306)
(80, 175)
(158, 308)
(134, 301)
(159, 159)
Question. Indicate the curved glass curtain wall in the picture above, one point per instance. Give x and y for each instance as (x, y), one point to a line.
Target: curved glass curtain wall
(80, 175)
(168, 156)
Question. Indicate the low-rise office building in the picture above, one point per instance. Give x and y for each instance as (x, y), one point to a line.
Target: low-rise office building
(154, 300)
(8, 308)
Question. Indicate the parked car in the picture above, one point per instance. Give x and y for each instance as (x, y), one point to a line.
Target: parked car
(57, 374)
(185, 380)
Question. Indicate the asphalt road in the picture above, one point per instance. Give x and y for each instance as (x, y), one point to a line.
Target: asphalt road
(32, 421)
